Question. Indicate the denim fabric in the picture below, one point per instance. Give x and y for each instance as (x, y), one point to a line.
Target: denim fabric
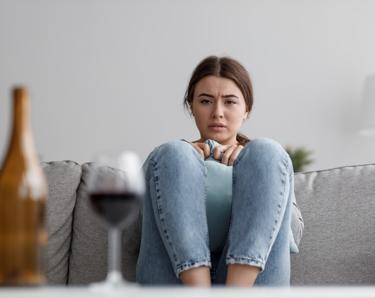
(219, 201)
(174, 229)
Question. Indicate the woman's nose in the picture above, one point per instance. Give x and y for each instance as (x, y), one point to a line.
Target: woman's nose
(218, 111)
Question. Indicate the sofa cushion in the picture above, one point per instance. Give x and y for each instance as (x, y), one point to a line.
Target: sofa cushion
(88, 260)
(63, 178)
(338, 246)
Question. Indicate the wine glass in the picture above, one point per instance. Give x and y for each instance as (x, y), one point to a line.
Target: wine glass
(115, 187)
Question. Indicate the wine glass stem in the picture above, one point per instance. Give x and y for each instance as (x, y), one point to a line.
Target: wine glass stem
(114, 262)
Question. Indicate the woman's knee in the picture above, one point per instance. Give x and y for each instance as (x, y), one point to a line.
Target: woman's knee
(173, 155)
(175, 150)
(265, 150)
(175, 147)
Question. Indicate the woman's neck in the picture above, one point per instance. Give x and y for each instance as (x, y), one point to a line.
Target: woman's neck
(202, 140)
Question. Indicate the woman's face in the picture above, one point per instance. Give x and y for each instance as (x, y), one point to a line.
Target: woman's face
(219, 109)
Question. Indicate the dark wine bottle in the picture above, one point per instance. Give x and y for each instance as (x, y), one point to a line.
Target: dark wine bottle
(23, 195)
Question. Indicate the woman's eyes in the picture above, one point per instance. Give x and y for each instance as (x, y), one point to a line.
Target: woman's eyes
(227, 102)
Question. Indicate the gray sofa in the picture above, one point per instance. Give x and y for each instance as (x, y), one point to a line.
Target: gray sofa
(338, 245)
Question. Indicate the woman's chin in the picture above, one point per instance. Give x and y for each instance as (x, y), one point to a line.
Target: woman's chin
(215, 137)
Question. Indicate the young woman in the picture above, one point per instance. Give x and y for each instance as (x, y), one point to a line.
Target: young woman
(218, 210)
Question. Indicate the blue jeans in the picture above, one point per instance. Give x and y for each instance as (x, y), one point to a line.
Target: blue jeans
(174, 228)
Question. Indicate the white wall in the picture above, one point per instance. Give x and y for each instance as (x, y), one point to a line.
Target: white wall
(112, 74)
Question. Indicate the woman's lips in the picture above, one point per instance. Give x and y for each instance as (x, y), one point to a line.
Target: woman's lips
(217, 128)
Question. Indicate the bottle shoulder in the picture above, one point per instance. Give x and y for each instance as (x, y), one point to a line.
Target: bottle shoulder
(23, 176)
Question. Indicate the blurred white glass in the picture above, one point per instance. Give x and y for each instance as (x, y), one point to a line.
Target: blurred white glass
(116, 187)
(368, 107)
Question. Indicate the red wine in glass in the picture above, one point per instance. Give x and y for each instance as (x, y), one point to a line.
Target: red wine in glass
(114, 207)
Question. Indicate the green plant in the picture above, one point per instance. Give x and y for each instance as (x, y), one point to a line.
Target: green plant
(300, 157)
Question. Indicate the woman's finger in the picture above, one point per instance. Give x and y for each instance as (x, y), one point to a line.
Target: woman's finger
(206, 150)
(234, 155)
(227, 154)
(203, 149)
(199, 150)
(219, 150)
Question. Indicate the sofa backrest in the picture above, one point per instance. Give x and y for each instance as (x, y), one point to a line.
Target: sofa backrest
(337, 245)
(63, 179)
(88, 258)
(77, 239)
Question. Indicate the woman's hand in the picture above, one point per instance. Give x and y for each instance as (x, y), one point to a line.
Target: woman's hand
(202, 148)
(227, 154)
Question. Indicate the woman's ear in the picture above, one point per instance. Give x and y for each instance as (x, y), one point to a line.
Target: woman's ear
(191, 110)
(246, 116)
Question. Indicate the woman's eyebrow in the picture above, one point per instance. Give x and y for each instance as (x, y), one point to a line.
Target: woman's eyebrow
(225, 96)
(230, 95)
(206, 94)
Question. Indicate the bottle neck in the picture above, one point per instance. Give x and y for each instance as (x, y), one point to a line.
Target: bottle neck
(21, 130)
(21, 110)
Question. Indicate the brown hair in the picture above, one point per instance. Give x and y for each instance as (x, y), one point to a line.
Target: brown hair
(224, 67)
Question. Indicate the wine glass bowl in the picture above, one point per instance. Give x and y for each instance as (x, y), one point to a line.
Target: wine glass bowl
(115, 208)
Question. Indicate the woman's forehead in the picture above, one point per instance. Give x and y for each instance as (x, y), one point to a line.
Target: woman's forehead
(217, 86)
